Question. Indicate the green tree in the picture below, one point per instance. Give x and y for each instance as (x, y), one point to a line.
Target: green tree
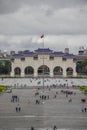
(81, 67)
(5, 67)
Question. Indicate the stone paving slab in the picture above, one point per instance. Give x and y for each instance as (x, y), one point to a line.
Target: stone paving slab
(59, 112)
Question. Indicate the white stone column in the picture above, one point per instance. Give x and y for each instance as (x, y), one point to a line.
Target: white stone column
(74, 70)
(12, 74)
(22, 72)
(12, 70)
(35, 72)
(74, 73)
(51, 73)
(64, 73)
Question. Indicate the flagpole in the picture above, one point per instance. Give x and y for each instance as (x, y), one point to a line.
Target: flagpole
(43, 61)
(42, 37)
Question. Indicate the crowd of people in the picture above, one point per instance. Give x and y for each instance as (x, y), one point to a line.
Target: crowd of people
(42, 95)
(48, 82)
(54, 128)
(84, 109)
(15, 99)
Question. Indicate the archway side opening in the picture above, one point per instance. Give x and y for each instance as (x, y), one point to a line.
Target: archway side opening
(69, 71)
(29, 71)
(17, 71)
(58, 71)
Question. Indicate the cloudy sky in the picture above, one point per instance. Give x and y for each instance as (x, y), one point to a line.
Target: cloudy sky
(63, 23)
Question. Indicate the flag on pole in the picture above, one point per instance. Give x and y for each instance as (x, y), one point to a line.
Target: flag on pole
(42, 36)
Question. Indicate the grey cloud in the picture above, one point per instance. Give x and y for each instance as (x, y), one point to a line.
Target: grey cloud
(29, 46)
(56, 43)
(36, 17)
(49, 12)
(10, 6)
(46, 19)
(19, 43)
(4, 45)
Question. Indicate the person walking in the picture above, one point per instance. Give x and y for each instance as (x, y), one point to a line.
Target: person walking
(32, 128)
(55, 127)
(16, 109)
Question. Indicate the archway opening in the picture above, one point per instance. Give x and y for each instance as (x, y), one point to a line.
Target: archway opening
(29, 71)
(17, 71)
(69, 71)
(58, 71)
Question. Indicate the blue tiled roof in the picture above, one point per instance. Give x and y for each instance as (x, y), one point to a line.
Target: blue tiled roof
(69, 54)
(24, 53)
(58, 53)
(17, 55)
(43, 50)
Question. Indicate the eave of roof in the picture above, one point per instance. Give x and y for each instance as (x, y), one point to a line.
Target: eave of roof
(44, 50)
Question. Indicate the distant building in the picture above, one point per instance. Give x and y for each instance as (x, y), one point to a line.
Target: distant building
(43, 62)
(20, 52)
(12, 52)
(82, 54)
(5, 53)
(82, 51)
(1, 55)
(85, 52)
(66, 50)
(81, 57)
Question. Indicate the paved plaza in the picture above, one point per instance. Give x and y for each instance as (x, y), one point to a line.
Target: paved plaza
(52, 111)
